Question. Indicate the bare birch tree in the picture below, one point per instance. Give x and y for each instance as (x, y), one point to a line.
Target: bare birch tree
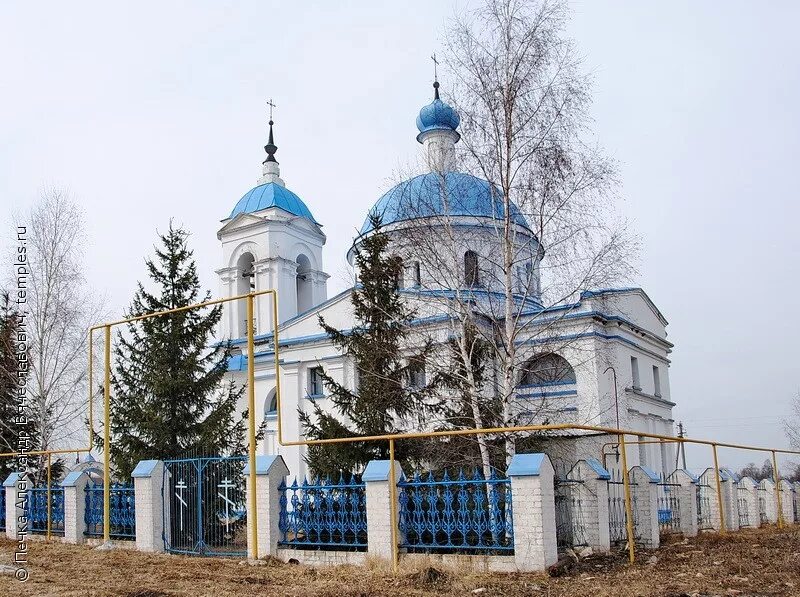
(792, 425)
(523, 101)
(62, 308)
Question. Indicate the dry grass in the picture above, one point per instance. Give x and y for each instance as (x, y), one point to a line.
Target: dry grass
(754, 562)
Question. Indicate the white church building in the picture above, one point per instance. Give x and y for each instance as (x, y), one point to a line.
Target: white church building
(604, 361)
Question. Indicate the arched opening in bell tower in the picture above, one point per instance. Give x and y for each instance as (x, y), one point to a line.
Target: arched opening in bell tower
(304, 288)
(245, 282)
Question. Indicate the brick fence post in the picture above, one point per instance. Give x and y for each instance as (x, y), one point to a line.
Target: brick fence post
(644, 493)
(797, 500)
(767, 488)
(16, 487)
(592, 494)
(687, 500)
(74, 485)
(378, 498)
(730, 501)
(747, 489)
(708, 479)
(150, 481)
(787, 502)
(270, 472)
(533, 502)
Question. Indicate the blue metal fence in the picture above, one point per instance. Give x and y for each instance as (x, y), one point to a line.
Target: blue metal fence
(323, 514)
(123, 511)
(461, 514)
(37, 510)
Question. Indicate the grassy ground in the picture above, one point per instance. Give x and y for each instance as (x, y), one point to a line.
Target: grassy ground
(752, 562)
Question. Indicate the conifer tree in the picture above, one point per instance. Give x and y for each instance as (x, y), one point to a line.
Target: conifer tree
(385, 399)
(169, 396)
(9, 383)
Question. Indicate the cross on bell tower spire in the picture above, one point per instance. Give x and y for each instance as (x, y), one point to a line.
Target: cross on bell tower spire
(271, 171)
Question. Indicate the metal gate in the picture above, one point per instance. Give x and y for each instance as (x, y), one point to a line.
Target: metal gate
(617, 513)
(204, 506)
(704, 492)
(570, 527)
(669, 506)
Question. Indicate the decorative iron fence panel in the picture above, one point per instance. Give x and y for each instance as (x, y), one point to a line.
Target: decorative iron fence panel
(617, 514)
(2, 508)
(669, 507)
(704, 491)
(323, 514)
(744, 507)
(122, 511)
(204, 506)
(461, 514)
(761, 492)
(570, 526)
(37, 510)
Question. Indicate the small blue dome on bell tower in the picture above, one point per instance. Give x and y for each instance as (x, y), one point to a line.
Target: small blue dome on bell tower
(437, 116)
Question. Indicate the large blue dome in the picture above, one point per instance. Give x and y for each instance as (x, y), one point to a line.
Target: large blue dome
(434, 194)
(268, 195)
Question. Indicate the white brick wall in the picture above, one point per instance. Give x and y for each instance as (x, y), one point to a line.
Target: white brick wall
(270, 472)
(768, 494)
(747, 491)
(74, 508)
(533, 499)
(12, 513)
(787, 502)
(644, 493)
(379, 519)
(151, 511)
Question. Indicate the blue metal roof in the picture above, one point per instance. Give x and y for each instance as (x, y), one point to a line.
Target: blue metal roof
(434, 194)
(269, 195)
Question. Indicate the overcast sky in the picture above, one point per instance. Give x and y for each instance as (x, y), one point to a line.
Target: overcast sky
(155, 110)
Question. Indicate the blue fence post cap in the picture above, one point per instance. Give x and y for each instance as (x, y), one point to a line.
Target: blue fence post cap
(651, 474)
(12, 479)
(526, 465)
(71, 480)
(144, 469)
(378, 470)
(599, 469)
(267, 464)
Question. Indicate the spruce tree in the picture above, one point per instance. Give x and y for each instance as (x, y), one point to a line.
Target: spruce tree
(9, 383)
(384, 399)
(169, 396)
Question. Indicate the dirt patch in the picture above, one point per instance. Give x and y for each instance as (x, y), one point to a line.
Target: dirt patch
(751, 562)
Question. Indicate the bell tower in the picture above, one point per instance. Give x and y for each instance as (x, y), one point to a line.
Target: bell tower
(270, 240)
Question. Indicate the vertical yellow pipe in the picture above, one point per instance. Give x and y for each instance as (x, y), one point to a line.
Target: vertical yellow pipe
(277, 363)
(393, 506)
(777, 478)
(626, 482)
(251, 407)
(107, 440)
(49, 498)
(91, 390)
(719, 491)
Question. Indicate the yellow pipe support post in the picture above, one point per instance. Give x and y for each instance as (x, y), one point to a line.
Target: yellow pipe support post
(393, 506)
(777, 477)
(251, 406)
(107, 440)
(91, 391)
(49, 498)
(719, 492)
(626, 482)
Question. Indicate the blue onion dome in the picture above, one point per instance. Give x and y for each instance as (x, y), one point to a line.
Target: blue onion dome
(437, 116)
(272, 194)
(454, 194)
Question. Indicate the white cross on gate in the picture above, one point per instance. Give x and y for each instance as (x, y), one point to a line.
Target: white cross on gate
(179, 487)
(226, 485)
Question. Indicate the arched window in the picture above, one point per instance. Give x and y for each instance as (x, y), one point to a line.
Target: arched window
(471, 271)
(245, 282)
(547, 369)
(304, 297)
(271, 404)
